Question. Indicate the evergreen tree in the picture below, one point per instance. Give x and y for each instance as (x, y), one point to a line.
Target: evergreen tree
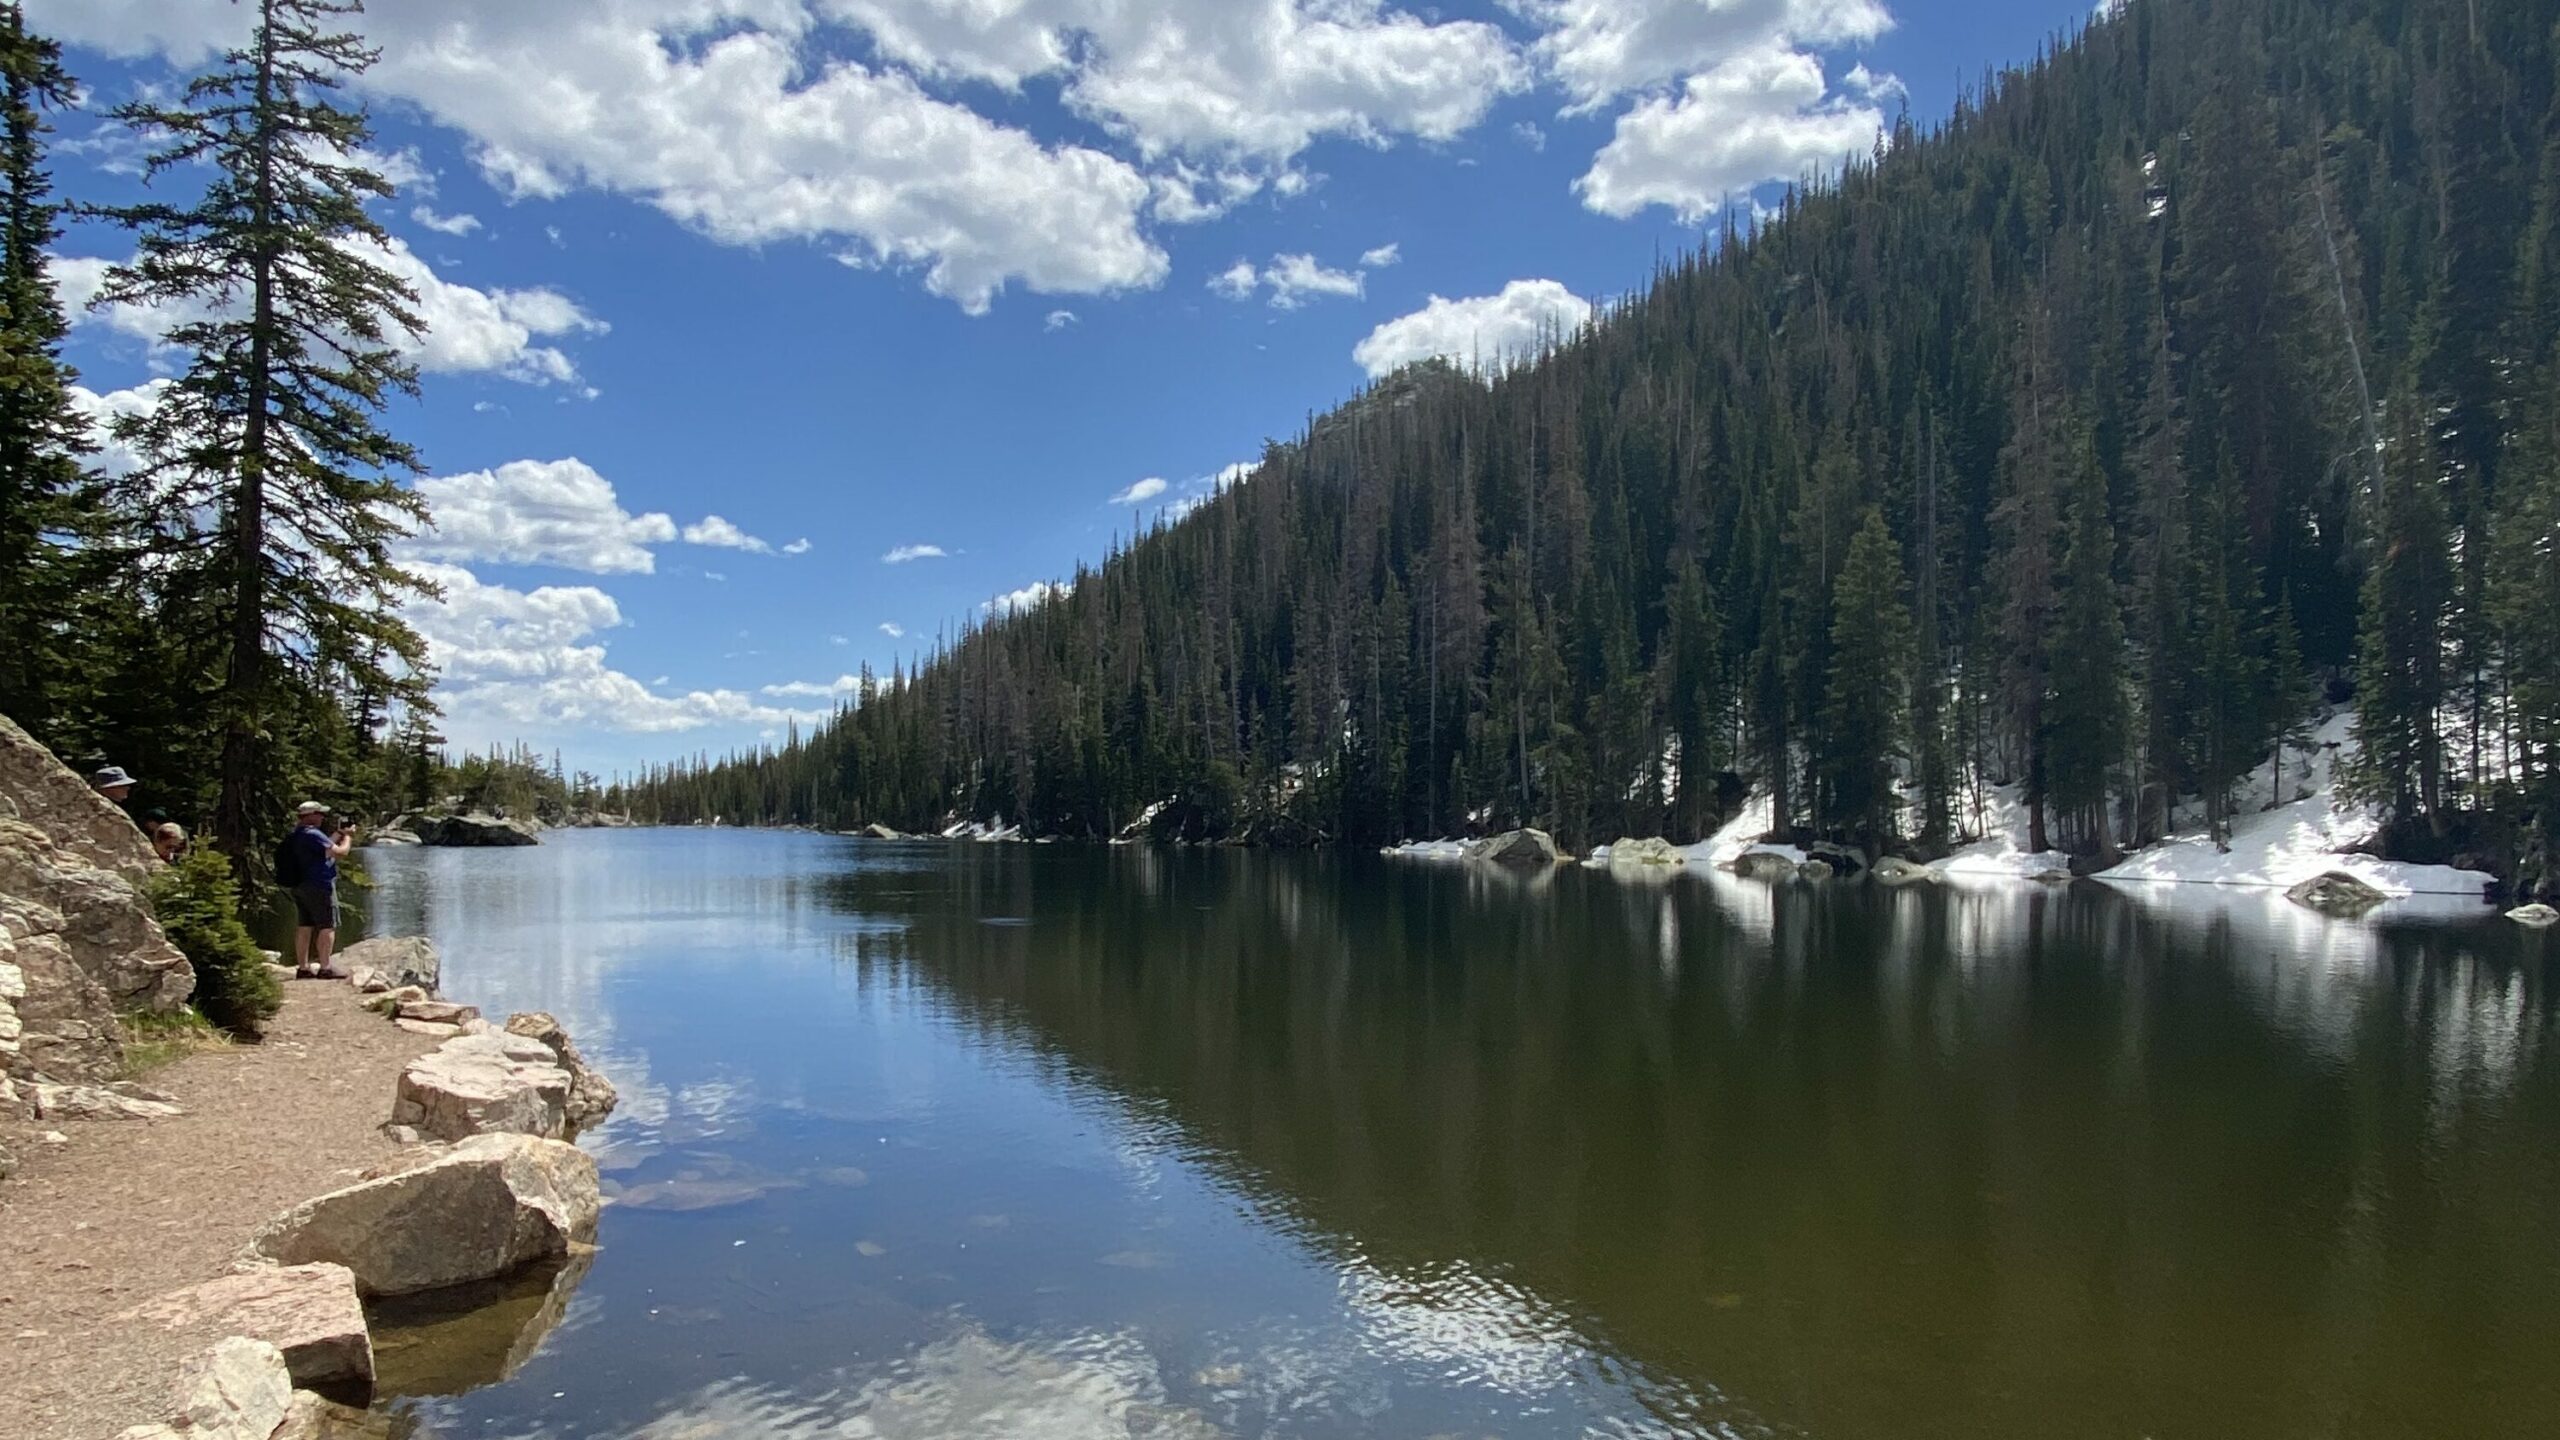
(1865, 711)
(2085, 715)
(272, 492)
(2401, 681)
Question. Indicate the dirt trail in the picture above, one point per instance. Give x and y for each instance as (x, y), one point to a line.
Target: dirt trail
(128, 1210)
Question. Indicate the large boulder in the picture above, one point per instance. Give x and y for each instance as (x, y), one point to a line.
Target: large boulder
(878, 831)
(1843, 860)
(397, 960)
(1656, 851)
(2336, 893)
(1763, 865)
(310, 1313)
(2536, 915)
(591, 1096)
(487, 1207)
(238, 1390)
(40, 791)
(482, 1085)
(474, 829)
(391, 839)
(1894, 870)
(1516, 847)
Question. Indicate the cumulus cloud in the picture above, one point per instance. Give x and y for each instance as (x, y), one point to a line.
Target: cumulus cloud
(1059, 320)
(1597, 50)
(797, 547)
(468, 331)
(1029, 597)
(514, 661)
(1293, 280)
(890, 628)
(445, 224)
(537, 512)
(1487, 329)
(836, 689)
(1141, 492)
(114, 458)
(1380, 258)
(720, 534)
(1756, 118)
(1236, 282)
(905, 553)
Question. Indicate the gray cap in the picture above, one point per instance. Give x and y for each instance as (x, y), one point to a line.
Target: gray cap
(310, 807)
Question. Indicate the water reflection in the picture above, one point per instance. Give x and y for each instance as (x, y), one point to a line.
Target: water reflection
(955, 1140)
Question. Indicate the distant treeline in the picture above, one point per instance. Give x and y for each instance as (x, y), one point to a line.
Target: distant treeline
(2197, 375)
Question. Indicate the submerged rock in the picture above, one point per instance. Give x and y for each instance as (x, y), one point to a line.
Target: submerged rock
(2536, 915)
(310, 1313)
(1516, 847)
(488, 1207)
(395, 961)
(483, 1084)
(2336, 893)
(457, 1340)
(591, 1096)
(238, 1390)
(1656, 851)
(1815, 869)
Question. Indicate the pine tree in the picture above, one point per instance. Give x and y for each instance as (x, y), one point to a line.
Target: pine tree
(270, 430)
(2401, 681)
(2085, 716)
(44, 496)
(1865, 711)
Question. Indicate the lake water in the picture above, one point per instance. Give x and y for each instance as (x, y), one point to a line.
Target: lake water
(925, 1140)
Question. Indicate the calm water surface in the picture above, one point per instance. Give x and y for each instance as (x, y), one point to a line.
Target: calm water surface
(937, 1141)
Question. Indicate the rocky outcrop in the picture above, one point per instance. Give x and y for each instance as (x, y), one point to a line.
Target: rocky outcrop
(1516, 847)
(78, 946)
(2336, 893)
(591, 1096)
(1656, 851)
(442, 1012)
(310, 1313)
(392, 839)
(876, 831)
(392, 962)
(472, 829)
(238, 1390)
(2536, 915)
(484, 1084)
(484, 1208)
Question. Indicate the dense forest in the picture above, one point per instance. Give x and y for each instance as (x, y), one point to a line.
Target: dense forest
(2198, 376)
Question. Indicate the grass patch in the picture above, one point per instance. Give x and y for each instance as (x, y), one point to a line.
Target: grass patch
(156, 1039)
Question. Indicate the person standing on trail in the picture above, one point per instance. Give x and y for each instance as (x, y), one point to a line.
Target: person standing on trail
(307, 867)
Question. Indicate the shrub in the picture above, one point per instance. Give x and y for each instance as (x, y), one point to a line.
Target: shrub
(199, 910)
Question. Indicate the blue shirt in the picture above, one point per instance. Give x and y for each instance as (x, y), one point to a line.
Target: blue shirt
(319, 866)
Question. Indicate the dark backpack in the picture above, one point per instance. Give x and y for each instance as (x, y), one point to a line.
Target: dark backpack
(289, 860)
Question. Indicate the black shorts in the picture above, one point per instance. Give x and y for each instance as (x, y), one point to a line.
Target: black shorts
(315, 906)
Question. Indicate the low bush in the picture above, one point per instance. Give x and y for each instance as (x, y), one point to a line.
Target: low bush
(198, 906)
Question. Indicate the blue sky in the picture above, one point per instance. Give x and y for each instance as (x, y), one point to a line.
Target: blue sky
(732, 300)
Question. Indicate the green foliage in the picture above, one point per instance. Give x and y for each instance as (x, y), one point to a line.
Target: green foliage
(1866, 712)
(198, 905)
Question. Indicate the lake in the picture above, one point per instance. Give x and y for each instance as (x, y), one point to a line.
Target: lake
(924, 1140)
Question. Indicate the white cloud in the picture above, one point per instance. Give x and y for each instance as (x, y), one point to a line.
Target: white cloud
(113, 457)
(1029, 597)
(1756, 118)
(890, 628)
(1600, 49)
(514, 661)
(905, 553)
(1236, 282)
(837, 688)
(1879, 87)
(468, 331)
(537, 512)
(1530, 135)
(1059, 320)
(1382, 257)
(445, 224)
(1141, 492)
(1488, 329)
(797, 547)
(401, 168)
(720, 534)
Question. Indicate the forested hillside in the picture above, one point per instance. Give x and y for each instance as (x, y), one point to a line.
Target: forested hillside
(2196, 376)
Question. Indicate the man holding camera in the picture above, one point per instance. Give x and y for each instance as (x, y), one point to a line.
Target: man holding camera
(307, 867)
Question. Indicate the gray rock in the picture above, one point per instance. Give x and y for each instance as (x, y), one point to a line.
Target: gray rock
(442, 1012)
(2336, 893)
(1894, 870)
(1763, 865)
(2536, 915)
(1815, 869)
(591, 1096)
(880, 832)
(474, 829)
(238, 1390)
(1656, 851)
(46, 795)
(1516, 847)
(484, 1084)
(314, 1417)
(401, 1134)
(399, 960)
(89, 1102)
(431, 1029)
(392, 839)
(310, 1313)
(484, 1208)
